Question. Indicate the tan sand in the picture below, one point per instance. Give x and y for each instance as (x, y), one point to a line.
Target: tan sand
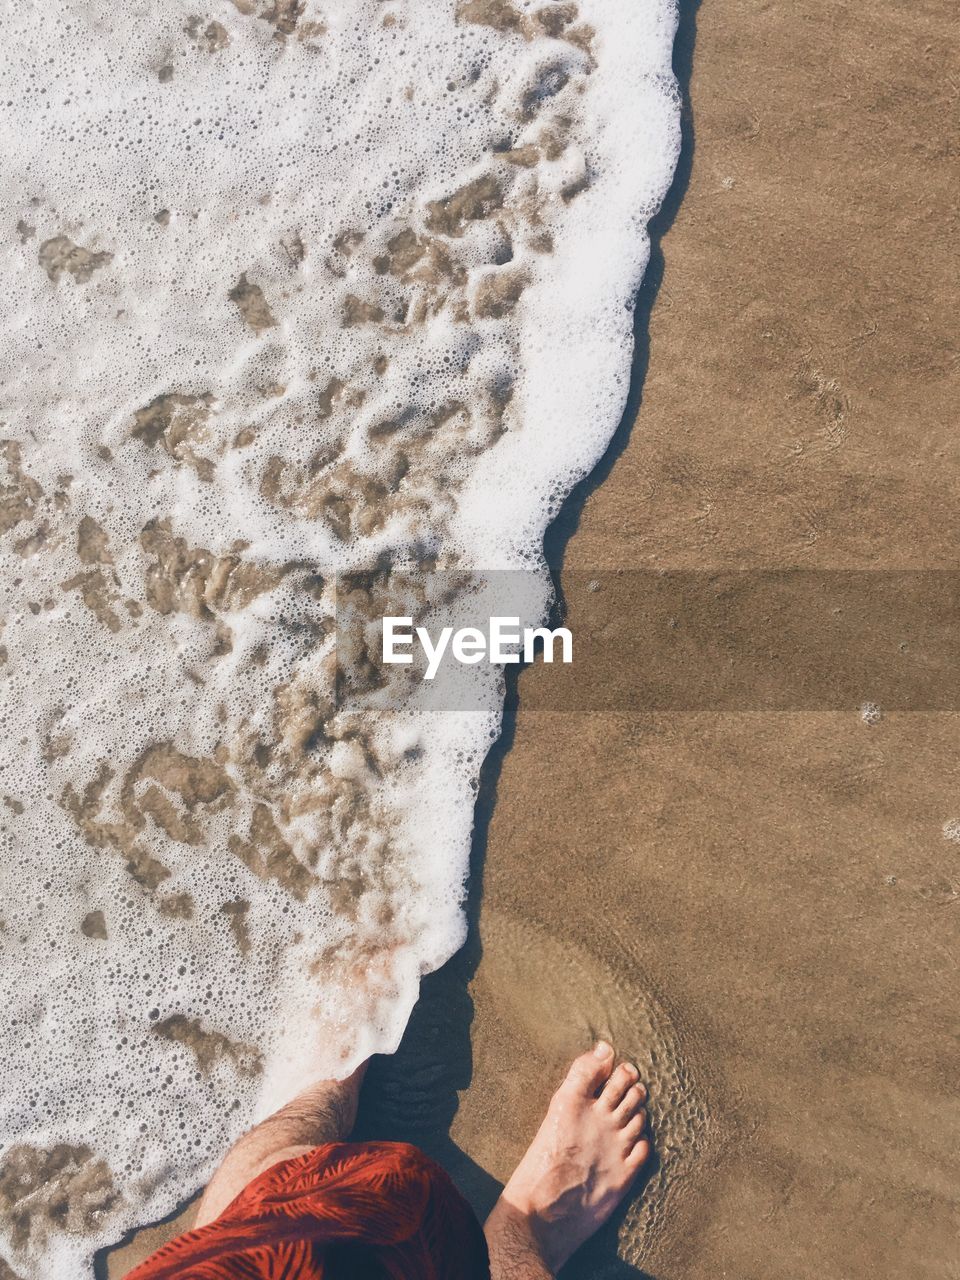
(761, 906)
(771, 893)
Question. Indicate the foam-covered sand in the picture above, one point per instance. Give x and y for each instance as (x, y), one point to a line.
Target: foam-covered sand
(289, 291)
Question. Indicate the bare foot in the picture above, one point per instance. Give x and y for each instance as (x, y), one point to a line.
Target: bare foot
(587, 1151)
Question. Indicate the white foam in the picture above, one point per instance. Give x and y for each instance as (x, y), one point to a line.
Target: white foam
(272, 876)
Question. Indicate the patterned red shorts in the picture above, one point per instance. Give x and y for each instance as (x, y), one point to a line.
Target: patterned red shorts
(344, 1211)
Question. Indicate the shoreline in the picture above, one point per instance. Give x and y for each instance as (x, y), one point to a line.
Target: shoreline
(761, 896)
(780, 881)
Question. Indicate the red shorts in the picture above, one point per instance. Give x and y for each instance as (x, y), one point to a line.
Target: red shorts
(344, 1211)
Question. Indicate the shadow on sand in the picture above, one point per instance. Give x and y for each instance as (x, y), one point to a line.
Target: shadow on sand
(413, 1095)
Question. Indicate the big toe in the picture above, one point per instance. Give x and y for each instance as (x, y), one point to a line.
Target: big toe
(591, 1070)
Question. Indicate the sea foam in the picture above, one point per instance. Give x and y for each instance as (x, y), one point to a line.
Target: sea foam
(292, 291)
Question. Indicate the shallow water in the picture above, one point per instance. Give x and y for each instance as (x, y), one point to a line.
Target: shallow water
(293, 293)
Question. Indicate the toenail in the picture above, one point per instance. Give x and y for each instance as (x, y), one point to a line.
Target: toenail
(602, 1050)
(632, 1070)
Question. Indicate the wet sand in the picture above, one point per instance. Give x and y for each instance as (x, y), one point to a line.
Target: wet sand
(760, 905)
(772, 889)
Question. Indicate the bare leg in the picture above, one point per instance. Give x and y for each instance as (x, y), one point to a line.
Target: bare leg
(323, 1113)
(587, 1151)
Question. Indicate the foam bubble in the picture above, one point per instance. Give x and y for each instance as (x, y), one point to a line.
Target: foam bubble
(289, 291)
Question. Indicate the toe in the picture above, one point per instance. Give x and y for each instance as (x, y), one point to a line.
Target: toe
(618, 1084)
(630, 1104)
(591, 1070)
(632, 1132)
(638, 1155)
